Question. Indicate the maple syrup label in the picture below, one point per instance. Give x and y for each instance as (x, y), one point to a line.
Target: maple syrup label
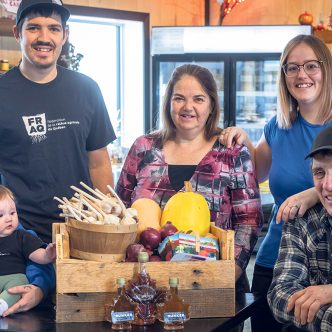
(143, 293)
(172, 317)
(124, 316)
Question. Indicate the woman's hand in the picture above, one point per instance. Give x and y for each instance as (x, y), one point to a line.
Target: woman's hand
(297, 205)
(233, 135)
(31, 296)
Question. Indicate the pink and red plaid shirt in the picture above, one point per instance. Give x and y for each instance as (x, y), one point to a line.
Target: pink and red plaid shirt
(225, 177)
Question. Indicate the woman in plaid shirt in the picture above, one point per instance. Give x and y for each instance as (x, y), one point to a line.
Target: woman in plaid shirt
(187, 149)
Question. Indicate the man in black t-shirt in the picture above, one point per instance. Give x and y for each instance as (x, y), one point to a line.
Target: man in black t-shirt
(54, 125)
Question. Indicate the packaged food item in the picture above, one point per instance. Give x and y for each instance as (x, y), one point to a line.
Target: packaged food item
(188, 247)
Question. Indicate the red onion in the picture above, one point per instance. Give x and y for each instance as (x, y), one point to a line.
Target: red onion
(154, 258)
(150, 238)
(133, 250)
(167, 230)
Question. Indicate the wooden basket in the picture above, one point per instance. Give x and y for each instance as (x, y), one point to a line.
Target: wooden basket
(209, 287)
(102, 243)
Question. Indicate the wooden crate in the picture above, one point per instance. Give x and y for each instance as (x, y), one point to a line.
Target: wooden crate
(84, 287)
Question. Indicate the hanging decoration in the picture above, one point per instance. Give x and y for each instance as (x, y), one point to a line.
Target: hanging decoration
(226, 6)
(306, 18)
(68, 58)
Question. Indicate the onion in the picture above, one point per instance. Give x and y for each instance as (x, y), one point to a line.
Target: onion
(167, 230)
(132, 252)
(150, 238)
(154, 258)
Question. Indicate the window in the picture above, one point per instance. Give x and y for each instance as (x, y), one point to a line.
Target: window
(115, 49)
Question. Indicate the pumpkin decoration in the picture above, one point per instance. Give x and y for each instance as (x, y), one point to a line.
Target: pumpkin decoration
(187, 211)
(306, 18)
(148, 214)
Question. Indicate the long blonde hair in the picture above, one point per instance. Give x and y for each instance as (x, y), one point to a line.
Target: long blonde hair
(287, 104)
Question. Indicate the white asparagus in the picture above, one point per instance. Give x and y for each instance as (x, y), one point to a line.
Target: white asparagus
(100, 196)
(74, 208)
(88, 212)
(64, 215)
(101, 193)
(88, 204)
(108, 204)
(59, 200)
(124, 210)
(73, 213)
(127, 219)
(80, 191)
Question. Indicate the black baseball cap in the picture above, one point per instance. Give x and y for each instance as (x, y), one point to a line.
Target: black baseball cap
(27, 5)
(323, 141)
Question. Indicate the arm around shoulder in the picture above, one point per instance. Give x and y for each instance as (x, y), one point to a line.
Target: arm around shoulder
(262, 159)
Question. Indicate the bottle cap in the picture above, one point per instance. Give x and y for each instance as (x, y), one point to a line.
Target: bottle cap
(173, 281)
(143, 257)
(120, 282)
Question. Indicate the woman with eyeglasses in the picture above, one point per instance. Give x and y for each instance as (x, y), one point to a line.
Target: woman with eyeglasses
(304, 109)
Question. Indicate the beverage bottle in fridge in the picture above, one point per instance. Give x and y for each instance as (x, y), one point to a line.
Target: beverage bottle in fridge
(174, 312)
(122, 312)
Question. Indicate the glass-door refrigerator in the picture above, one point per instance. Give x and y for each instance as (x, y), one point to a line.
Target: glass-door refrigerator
(243, 59)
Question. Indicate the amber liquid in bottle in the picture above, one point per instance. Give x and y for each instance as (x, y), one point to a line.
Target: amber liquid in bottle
(122, 313)
(174, 312)
(142, 290)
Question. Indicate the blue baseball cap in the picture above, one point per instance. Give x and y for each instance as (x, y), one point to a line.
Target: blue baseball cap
(28, 5)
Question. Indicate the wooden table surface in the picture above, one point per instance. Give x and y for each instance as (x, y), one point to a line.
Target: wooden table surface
(42, 319)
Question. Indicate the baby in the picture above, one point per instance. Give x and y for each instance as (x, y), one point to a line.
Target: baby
(16, 248)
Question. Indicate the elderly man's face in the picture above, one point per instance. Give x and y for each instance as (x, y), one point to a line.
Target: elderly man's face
(322, 174)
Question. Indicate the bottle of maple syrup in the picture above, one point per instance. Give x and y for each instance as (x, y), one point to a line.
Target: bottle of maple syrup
(122, 312)
(142, 290)
(174, 312)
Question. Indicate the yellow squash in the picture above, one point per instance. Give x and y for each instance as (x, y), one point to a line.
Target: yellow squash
(187, 211)
(149, 214)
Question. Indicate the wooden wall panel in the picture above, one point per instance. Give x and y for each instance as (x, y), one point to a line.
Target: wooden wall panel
(266, 12)
(162, 12)
(191, 12)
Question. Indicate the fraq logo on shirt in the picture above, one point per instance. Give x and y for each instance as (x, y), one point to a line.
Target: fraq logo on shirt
(36, 127)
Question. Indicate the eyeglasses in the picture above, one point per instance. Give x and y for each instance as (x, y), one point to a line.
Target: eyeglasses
(311, 67)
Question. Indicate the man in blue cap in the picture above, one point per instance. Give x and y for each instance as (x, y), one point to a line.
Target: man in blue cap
(54, 130)
(301, 290)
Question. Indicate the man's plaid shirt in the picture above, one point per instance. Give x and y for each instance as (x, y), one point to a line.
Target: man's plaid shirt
(304, 260)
